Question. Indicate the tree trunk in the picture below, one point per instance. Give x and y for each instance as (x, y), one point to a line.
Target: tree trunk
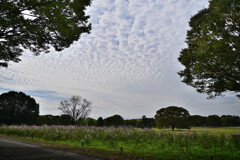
(172, 127)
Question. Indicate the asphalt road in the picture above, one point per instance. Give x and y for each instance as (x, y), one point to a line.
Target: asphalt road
(13, 150)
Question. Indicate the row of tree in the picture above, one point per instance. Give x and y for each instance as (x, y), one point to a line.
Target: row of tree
(18, 108)
(214, 120)
(179, 117)
(115, 120)
(144, 122)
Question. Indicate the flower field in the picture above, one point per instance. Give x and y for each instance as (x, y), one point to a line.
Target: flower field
(159, 144)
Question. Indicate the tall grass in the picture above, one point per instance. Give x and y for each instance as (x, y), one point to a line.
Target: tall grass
(161, 144)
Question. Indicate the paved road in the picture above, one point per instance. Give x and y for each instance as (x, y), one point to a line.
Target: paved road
(13, 150)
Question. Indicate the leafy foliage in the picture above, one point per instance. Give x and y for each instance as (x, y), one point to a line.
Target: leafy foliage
(100, 122)
(18, 108)
(214, 120)
(229, 120)
(91, 122)
(130, 122)
(115, 120)
(65, 120)
(172, 116)
(197, 120)
(36, 25)
(54, 120)
(212, 58)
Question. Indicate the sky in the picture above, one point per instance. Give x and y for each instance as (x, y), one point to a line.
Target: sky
(127, 65)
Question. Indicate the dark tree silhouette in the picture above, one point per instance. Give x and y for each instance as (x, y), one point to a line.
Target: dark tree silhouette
(130, 122)
(65, 120)
(172, 116)
(214, 121)
(229, 120)
(18, 108)
(100, 122)
(144, 121)
(115, 120)
(197, 120)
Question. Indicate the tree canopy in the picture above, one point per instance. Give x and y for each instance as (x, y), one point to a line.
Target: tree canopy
(172, 116)
(212, 58)
(18, 108)
(39, 24)
(115, 120)
(100, 122)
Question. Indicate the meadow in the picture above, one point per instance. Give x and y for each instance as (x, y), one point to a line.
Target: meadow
(198, 143)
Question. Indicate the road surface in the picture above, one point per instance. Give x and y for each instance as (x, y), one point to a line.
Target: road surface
(14, 150)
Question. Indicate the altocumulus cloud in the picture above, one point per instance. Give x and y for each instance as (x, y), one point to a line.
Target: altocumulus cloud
(127, 65)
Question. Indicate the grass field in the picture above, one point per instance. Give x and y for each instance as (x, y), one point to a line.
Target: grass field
(213, 130)
(197, 143)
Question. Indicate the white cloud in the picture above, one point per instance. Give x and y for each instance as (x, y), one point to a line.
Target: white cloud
(127, 65)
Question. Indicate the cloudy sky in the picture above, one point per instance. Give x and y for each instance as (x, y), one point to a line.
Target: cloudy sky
(127, 65)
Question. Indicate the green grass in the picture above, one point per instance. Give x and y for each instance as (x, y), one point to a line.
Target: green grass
(197, 143)
(211, 130)
(217, 130)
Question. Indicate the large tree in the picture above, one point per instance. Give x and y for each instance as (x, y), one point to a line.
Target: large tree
(76, 107)
(212, 58)
(115, 120)
(18, 108)
(39, 24)
(172, 116)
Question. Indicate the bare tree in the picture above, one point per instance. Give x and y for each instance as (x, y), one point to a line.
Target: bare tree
(76, 107)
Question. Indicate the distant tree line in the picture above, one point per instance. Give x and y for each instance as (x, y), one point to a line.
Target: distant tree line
(179, 117)
(115, 121)
(144, 122)
(214, 120)
(17, 108)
